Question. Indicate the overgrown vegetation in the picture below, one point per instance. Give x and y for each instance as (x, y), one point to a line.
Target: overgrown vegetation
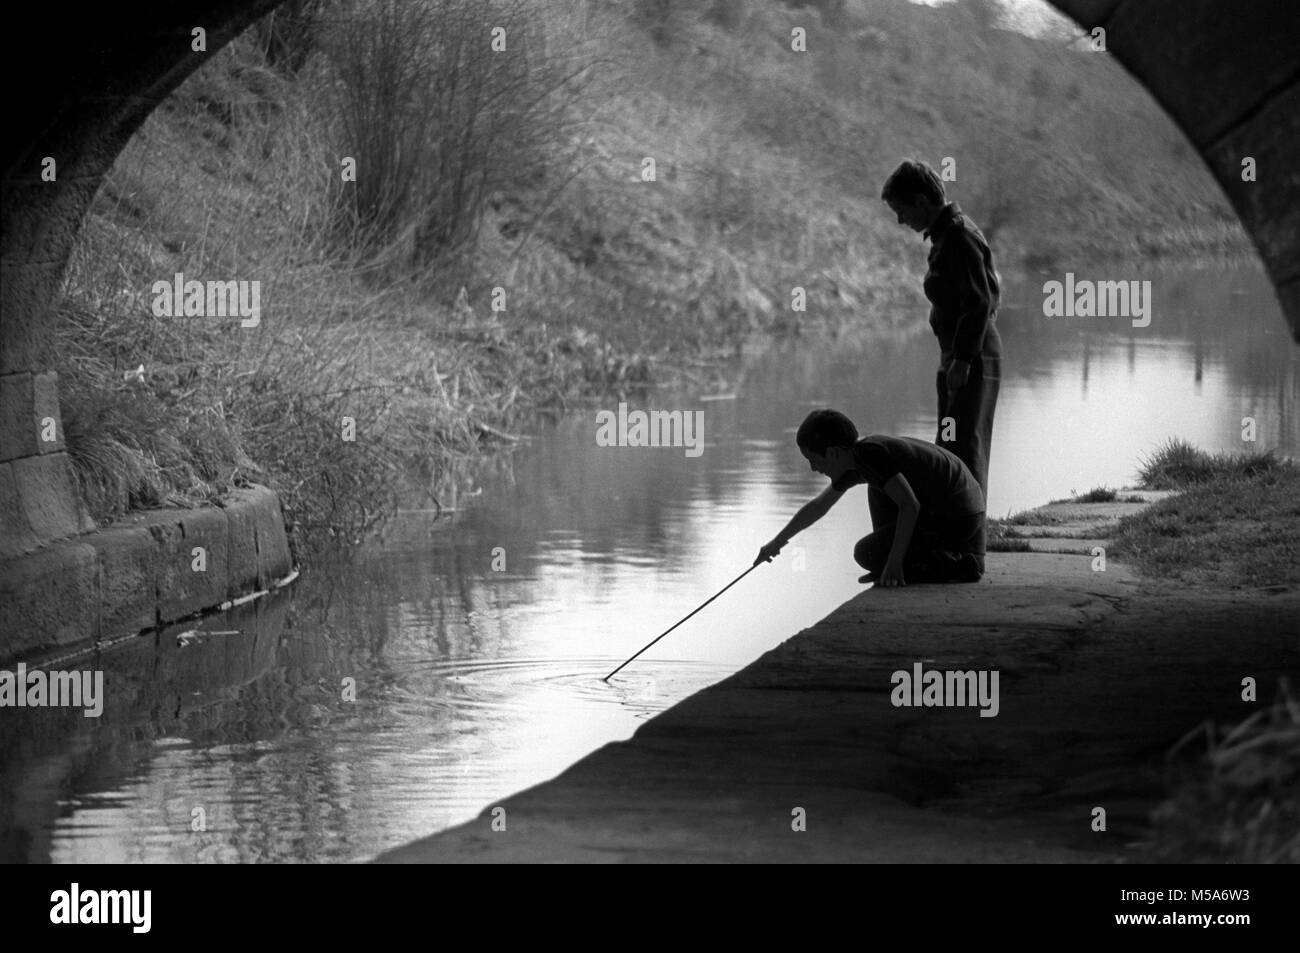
(240, 175)
(1239, 800)
(436, 121)
(518, 178)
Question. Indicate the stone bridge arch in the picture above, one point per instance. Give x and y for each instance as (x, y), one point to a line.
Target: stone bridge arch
(100, 72)
(1227, 73)
(1229, 76)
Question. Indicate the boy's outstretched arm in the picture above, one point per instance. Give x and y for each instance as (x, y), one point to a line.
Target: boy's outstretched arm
(909, 508)
(808, 514)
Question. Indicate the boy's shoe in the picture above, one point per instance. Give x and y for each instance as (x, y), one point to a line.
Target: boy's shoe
(867, 577)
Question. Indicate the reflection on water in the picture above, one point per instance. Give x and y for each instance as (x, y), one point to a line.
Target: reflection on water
(407, 690)
(1087, 399)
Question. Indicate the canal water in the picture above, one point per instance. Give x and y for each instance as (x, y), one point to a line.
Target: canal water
(456, 661)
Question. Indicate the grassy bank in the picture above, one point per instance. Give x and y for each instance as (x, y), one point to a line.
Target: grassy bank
(1235, 523)
(501, 251)
(1234, 788)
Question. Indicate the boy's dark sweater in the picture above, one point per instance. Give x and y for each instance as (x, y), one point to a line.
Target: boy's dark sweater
(962, 287)
(943, 485)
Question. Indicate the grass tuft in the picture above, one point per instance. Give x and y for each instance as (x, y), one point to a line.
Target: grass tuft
(1098, 494)
(1176, 465)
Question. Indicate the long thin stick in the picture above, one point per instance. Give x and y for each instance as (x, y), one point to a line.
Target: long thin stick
(702, 605)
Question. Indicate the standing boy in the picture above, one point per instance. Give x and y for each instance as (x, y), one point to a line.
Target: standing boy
(930, 527)
(962, 287)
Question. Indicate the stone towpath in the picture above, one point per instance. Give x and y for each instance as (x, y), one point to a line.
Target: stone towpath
(1099, 674)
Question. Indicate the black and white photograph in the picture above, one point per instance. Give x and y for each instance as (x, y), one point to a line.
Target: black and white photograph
(573, 432)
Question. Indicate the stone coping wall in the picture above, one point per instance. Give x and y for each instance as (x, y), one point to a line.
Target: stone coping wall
(155, 567)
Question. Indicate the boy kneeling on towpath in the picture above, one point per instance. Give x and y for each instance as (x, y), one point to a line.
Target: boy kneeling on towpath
(928, 520)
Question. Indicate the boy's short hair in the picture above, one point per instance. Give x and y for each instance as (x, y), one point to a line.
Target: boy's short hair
(910, 179)
(826, 428)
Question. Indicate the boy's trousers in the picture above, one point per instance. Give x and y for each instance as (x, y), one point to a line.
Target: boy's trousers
(971, 408)
(948, 549)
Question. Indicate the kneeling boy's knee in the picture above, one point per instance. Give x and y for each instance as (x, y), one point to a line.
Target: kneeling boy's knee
(870, 552)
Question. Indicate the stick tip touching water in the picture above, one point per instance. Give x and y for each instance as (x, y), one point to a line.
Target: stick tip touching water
(670, 628)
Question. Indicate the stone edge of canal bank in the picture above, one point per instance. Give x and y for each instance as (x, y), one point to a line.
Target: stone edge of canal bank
(804, 756)
(140, 573)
